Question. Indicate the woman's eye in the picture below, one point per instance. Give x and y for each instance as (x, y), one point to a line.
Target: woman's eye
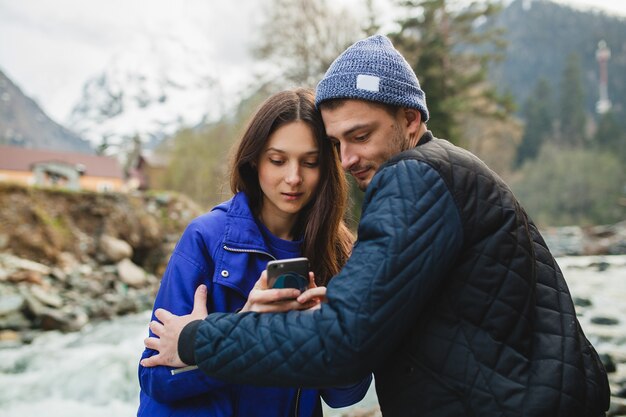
(311, 164)
(277, 161)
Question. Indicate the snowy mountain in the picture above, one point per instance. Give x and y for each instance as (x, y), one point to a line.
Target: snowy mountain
(23, 123)
(151, 90)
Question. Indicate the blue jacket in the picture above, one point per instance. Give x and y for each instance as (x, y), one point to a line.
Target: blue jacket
(225, 250)
(450, 295)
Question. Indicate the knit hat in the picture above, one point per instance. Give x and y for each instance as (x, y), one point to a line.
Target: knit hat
(372, 69)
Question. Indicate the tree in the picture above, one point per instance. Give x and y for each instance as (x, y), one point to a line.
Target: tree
(372, 26)
(539, 117)
(572, 186)
(610, 136)
(450, 57)
(199, 160)
(302, 38)
(572, 109)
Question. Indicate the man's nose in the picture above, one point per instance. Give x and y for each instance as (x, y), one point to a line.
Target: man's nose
(348, 158)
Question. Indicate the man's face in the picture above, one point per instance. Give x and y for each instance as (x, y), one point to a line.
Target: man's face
(367, 136)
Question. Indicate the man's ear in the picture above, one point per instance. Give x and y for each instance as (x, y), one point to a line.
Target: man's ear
(413, 120)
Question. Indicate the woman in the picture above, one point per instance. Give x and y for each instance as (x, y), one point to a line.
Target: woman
(290, 196)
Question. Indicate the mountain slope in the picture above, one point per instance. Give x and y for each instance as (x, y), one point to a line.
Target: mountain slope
(24, 123)
(542, 34)
(152, 90)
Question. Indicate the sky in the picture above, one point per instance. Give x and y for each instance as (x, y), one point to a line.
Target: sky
(50, 48)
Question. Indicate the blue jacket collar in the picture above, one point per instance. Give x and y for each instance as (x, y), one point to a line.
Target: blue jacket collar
(242, 230)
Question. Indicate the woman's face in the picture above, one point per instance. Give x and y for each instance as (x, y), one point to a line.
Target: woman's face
(288, 171)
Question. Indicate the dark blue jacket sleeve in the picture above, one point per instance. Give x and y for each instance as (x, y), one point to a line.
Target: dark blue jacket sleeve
(409, 236)
(186, 270)
(338, 397)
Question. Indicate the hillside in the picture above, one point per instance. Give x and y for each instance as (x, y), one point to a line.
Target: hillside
(24, 123)
(540, 36)
(67, 258)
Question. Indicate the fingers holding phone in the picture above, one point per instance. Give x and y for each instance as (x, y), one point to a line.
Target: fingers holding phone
(279, 286)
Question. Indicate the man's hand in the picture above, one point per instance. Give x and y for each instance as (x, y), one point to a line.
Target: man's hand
(168, 332)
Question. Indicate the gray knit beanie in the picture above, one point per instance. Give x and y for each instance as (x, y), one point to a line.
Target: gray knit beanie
(372, 69)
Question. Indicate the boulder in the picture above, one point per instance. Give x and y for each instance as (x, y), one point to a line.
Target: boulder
(131, 274)
(114, 249)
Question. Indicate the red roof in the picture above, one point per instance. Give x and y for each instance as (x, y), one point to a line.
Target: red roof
(13, 158)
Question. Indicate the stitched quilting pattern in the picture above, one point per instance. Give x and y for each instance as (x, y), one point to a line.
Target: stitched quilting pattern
(450, 296)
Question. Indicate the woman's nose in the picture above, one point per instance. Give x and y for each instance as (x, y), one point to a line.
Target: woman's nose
(293, 176)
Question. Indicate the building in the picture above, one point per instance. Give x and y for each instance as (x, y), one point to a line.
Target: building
(70, 170)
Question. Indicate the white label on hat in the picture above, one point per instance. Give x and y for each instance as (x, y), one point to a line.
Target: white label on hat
(368, 82)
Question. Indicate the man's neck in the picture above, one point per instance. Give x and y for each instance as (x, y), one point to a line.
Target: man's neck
(414, 141)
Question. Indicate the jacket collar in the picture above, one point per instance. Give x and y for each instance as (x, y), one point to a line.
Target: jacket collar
(426, 137)
(242, 230)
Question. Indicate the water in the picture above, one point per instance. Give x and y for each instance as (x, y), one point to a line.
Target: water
(90, 373)
(93, 373)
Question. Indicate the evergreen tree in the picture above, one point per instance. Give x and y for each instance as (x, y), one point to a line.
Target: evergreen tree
(610, 136)
(572, 109)
(539, 117)
(450, 57)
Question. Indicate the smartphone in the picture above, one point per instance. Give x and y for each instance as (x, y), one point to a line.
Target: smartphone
(288, 273)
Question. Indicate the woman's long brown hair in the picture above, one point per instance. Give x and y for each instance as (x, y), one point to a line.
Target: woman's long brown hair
(327, 241)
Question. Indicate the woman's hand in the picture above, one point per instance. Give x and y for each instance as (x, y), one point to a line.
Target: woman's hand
(314, 296)
(266, 300)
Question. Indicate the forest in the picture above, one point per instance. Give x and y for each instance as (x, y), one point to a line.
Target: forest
(497, 80)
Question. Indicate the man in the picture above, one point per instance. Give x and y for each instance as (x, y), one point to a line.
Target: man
(450, 296)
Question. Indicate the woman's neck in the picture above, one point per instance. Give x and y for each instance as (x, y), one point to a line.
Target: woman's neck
(279, 225)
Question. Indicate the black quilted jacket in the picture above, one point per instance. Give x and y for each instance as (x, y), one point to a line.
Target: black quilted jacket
(450, 296)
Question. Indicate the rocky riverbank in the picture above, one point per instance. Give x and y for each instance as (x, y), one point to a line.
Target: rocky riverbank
(68, 258)
(71, 259)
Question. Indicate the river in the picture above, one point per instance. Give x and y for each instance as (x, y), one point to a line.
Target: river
(93, 372)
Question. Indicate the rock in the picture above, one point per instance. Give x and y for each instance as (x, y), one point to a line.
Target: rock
(4, 241)
(49, 296)
(67, 262)
(13, 262)
(605, 321)
(617, 407)
(10, 304)
(608, 362)
(130, 274)
(58, 274)
(10, 338)
(24, 275)
(63, 320)
(582, 302)
(621, 392)
(15, 321)
(126, 305)
(113, 249)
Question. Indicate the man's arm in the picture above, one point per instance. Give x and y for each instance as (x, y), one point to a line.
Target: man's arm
(409, 236)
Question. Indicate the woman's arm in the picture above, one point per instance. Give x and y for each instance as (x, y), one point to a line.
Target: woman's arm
(188, 267)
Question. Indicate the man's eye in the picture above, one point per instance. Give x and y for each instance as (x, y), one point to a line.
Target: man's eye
(361, 138)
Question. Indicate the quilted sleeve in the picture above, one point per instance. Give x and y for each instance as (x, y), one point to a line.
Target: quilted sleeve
(409, 236)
